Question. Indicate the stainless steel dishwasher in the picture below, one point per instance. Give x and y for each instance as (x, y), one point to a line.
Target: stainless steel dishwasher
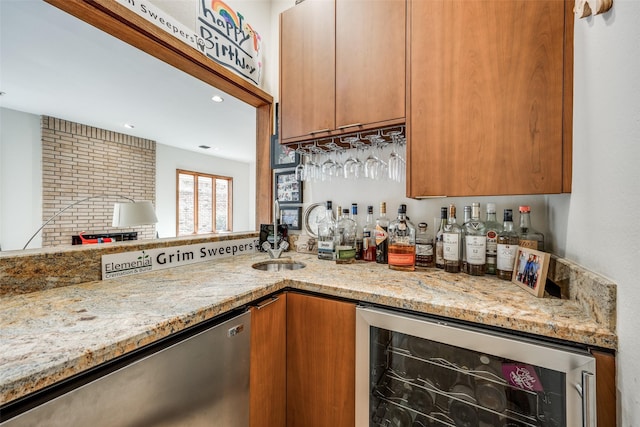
(201, 380)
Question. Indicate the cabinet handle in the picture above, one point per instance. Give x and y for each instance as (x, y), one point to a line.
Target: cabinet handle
(266, 303)
(588, 400)
(319, 130)
(349, 126)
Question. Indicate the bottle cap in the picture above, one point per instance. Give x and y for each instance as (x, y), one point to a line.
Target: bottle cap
(443, 212)
(329, 204)
(423, 225)
(354, 208)
(345, 211)
(370, 209)
(525, 209)
(402, 209)
(508, 215)
(491, 208)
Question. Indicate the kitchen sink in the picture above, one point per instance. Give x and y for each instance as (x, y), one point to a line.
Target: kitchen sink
(278, 265)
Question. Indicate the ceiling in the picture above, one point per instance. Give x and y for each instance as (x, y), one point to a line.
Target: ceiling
(54, 64)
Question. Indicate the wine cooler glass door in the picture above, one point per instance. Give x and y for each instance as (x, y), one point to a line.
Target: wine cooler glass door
(415, 372)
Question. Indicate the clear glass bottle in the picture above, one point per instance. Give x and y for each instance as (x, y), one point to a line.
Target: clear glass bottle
(465, 219)
(326, 235)
(369, 237)
(402, 242)
(452, 243)
(359, 243)
(440, 238)
(507, 247)
(425, 249)
(492, 228)
(345, 239)
(475, 240)
(529, 238)
(382, 235)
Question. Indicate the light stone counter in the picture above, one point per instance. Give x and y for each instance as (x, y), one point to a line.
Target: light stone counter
(52, 334)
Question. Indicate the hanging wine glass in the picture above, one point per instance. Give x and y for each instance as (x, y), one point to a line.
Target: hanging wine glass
(350, 164)
(371, 163)
(395, 159)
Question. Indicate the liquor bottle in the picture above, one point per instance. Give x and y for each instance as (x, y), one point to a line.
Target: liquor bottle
(425, 250)
(345, 239)
(440, 238)
(452, 243)
(507, 247)
(475, 240)
(529, 238)
(326, 235)
(465, 219)
(369, 237)
(382, 235)
(402, 242)
(492, 228)
(359, 243)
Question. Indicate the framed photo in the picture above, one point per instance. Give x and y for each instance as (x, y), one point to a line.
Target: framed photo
(282, 156)
(530, 270)
(288, 189)
(292, 216)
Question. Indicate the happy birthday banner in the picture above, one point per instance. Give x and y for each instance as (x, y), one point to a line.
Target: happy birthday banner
(222, 34)
(229, 39)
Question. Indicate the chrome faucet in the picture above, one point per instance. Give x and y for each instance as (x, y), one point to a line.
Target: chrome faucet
(276, 251)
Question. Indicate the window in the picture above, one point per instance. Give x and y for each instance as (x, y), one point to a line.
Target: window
(203, 203)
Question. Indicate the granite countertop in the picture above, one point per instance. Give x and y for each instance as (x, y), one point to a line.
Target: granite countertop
(50, 335)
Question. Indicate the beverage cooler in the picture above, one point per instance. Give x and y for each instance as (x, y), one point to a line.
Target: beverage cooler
(413, 371)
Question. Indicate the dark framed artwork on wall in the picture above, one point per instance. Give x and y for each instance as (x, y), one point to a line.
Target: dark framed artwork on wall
(292, 216)
(288, 189)
(282, 156)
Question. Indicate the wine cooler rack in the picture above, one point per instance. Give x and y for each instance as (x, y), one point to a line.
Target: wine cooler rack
(428, 384)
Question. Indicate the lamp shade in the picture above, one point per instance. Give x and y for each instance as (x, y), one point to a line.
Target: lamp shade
(134, 213)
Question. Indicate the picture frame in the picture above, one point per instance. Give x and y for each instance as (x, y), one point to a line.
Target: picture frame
(530, 270)
(292, 216)
(283, 157)
(288, 189)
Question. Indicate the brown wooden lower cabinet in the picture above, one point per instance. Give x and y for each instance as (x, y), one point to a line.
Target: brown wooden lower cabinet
(320, 362)
(268, 386)
(605, 388)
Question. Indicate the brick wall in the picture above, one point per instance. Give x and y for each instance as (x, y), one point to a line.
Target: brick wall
(80, 161)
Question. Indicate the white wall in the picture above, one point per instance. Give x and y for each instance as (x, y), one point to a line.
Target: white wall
(600, 231)
(168, 159)
(20, 179)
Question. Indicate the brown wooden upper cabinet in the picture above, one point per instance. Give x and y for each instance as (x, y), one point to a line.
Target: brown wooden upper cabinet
(490, 98)
(342, 67)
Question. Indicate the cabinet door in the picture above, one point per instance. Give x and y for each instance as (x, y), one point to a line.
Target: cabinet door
(320, 362)
(370, 61)
(307, 69)
(486, 97)
(268, 363)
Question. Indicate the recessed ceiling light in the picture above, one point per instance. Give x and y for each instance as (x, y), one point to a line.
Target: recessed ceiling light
(129, 126)
(217, 98)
